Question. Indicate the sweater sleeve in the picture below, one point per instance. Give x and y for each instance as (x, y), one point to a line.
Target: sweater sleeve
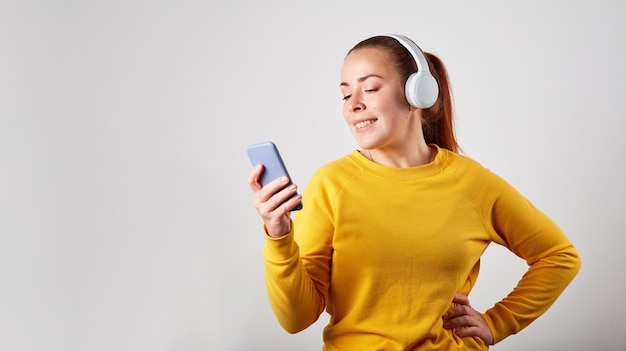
(292, 294)
(530, 234)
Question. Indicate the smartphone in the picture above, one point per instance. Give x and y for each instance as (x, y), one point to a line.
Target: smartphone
(266, 153)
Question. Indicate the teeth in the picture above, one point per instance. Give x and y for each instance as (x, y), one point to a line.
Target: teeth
(364, 123)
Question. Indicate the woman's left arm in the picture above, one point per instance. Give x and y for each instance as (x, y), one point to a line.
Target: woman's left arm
(552, 259)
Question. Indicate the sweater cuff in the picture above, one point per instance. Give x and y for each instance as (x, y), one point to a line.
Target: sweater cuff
(501, 327)
(492, 328)
(280, 249)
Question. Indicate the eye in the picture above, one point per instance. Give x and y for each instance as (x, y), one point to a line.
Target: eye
(371, 90)
(346, 97)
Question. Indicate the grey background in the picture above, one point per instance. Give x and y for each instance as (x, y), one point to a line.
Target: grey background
(125, 219)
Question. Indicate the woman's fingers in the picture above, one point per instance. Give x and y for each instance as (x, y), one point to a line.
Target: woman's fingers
(461, 299)
(273, 194)
(466, 320)
(274, 201)
(254, 178)
(276, 192)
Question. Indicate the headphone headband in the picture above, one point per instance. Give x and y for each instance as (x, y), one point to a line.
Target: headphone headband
(414, 50)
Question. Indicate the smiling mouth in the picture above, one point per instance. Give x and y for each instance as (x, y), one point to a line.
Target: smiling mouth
(366, 123)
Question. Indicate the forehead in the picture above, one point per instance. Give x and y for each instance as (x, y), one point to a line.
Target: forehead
(367, 61)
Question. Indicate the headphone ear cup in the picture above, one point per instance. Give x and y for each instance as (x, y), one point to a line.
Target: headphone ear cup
(421, 90)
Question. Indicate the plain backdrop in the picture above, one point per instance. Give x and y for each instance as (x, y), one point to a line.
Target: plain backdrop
(126, 222)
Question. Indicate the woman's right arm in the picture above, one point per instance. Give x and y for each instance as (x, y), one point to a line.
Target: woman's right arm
(292, 290)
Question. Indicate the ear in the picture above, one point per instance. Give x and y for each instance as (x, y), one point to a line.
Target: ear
(415, 112)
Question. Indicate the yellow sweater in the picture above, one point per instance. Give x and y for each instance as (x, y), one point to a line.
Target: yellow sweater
(384, 250)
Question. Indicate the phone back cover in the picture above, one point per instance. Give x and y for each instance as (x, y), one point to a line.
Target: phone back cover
(267, 154)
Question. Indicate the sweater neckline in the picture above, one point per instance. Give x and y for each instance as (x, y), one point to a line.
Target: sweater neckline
(398, 173)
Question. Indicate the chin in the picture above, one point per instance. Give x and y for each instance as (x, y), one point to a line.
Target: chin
(364, 142)
(365, 146)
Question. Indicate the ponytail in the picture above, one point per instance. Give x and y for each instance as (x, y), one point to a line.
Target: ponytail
(438, 120)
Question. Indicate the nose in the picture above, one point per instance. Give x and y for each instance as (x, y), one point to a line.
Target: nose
(355, 103)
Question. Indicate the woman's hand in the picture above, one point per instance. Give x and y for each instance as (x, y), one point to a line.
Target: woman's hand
(274, 202)
(466, 320)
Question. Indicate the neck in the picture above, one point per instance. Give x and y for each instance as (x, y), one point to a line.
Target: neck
(418, 157)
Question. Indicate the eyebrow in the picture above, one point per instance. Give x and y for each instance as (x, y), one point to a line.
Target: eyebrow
(361, 79)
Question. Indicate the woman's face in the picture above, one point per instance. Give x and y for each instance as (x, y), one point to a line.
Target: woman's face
(375, 108)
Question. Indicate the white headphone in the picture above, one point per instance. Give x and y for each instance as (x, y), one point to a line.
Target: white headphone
(421, 87)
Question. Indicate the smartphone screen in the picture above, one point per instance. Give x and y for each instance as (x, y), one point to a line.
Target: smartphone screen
(266, 153)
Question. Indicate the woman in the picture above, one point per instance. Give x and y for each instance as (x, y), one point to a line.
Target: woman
(390, 236)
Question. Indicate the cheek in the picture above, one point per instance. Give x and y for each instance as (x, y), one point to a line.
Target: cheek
(346, 113)
(347, 120)
(397, 106)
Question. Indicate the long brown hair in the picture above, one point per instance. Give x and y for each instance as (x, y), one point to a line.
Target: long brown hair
(438, 120)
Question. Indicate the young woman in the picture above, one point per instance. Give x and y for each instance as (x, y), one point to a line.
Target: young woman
(390, 236)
